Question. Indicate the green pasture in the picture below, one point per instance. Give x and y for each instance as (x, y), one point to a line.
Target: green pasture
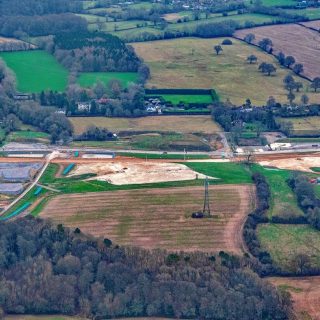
(186, 98)
(36, 71)
(171, 156)
(286, 242)
(279, 3)
(112, 26)
(283, 199)
(311, 13)
(27, 136)
(255, 18)
(88, 79)
(226, 172)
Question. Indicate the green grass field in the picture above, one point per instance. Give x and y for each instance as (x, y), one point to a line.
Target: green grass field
(36, 71)
(285, 242)
(191, 63)
(283, 200)
(186, 98)
(171, 156)
(88, 79)
(228, 172)
(29, 197)
(272, 3)
(28, 136)
(300, 140)
(311, 13)
(254, 18)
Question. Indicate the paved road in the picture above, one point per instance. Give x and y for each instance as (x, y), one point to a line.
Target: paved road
(33, 184)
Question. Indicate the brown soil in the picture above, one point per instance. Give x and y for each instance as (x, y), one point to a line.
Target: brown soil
(294, 40)
(299, 163)
(120, 172)
(305, 292)
(312, 24)
(159, 218)
(60, 170)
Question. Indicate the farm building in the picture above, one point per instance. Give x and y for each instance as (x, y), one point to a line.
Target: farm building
(18, 172)
(11, 189)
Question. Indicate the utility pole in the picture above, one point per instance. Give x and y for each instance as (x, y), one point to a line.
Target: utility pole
(206, 204)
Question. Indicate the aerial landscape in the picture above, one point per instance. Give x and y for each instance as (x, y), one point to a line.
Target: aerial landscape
(160, 159)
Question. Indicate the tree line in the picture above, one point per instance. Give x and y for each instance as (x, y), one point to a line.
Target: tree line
(309, 203)
(47, 269)
(13, 113)
(307, 198)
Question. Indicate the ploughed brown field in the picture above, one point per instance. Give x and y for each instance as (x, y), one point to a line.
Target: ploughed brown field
(300, 42)
(305, 293)
(159, 218)
(312, 24)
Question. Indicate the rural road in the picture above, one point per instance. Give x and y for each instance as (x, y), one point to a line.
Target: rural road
(49, 157)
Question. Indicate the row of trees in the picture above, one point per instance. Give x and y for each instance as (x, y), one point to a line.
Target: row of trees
(46, 269)
(94, 133)
(307, 198)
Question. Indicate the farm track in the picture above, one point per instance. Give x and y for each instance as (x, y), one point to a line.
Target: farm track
(158, 217)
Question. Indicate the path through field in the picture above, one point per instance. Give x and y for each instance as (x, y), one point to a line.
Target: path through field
(305, 292)
(159, 218)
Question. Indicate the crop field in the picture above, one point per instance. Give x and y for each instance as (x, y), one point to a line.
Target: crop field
(305, 293)
(285, 242)
(164, 222)
(191, 63)
(312, 24)
(36, 71)
(88, 79)
(179, 124)
(303, 126)
(289, 39)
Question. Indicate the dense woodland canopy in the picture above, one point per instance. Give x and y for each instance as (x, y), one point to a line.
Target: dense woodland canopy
(84, 51)
(20, 26)
(38, 7)
(19, 18)
(47, 269)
